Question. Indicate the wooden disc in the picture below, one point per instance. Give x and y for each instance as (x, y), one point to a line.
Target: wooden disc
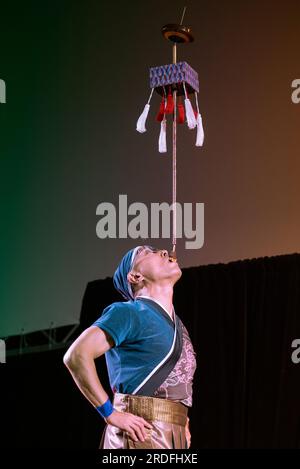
(177, 33)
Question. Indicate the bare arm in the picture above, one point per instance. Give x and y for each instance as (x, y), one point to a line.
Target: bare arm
(80, 361)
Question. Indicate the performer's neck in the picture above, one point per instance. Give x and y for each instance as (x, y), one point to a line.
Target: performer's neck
(162, 294)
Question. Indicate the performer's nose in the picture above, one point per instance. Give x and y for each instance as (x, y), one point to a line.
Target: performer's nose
(164, 253)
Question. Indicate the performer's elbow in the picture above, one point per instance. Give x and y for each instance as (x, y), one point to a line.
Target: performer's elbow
(72, 358)
(67, 359)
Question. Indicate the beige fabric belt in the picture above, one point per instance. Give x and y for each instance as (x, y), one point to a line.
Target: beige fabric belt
(153, 408)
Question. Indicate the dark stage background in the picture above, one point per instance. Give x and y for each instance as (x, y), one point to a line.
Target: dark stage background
(242, 317)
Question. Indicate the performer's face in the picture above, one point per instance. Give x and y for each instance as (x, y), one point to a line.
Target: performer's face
(155, 265)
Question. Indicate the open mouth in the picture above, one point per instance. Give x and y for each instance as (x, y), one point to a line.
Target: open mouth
(172, 256)
(172, 259)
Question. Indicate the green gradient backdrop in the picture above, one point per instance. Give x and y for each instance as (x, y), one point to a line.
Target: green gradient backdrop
(77, 79)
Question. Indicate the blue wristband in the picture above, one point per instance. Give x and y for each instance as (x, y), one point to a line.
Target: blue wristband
(105, 409)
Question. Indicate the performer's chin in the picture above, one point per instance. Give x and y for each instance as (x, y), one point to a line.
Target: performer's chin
(177, 271)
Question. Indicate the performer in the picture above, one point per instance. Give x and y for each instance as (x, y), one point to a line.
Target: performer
(149, 356)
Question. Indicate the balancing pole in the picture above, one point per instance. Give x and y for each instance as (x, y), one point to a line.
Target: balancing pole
(176, 33)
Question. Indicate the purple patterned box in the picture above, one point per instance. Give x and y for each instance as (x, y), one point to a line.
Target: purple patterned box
(174, 74)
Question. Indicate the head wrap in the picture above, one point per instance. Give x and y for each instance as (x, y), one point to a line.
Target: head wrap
(120, 276)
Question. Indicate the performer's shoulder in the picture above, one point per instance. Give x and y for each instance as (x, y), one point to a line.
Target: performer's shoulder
(121, 307)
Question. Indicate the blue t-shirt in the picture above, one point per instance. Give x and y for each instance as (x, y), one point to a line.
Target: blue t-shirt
(143, 336)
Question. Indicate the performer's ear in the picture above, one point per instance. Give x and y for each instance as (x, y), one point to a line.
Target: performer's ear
(134, 278)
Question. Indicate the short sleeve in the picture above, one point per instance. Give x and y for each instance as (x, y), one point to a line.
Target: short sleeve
(116, 319)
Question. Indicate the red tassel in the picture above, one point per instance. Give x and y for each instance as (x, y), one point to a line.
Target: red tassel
(161, 111)
(170, 103)
(181, 115)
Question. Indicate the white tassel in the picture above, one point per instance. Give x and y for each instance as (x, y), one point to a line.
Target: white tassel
(190, 116)
(162, 142)
(200, 131)
(140, 125)
(189, 112)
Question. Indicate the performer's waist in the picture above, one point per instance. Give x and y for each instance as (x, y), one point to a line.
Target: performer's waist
(152, 408)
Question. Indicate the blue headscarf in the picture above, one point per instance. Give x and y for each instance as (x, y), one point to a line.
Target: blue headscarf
(120, 276)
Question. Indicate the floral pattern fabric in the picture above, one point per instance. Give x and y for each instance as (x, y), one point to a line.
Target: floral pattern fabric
(178, 386)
